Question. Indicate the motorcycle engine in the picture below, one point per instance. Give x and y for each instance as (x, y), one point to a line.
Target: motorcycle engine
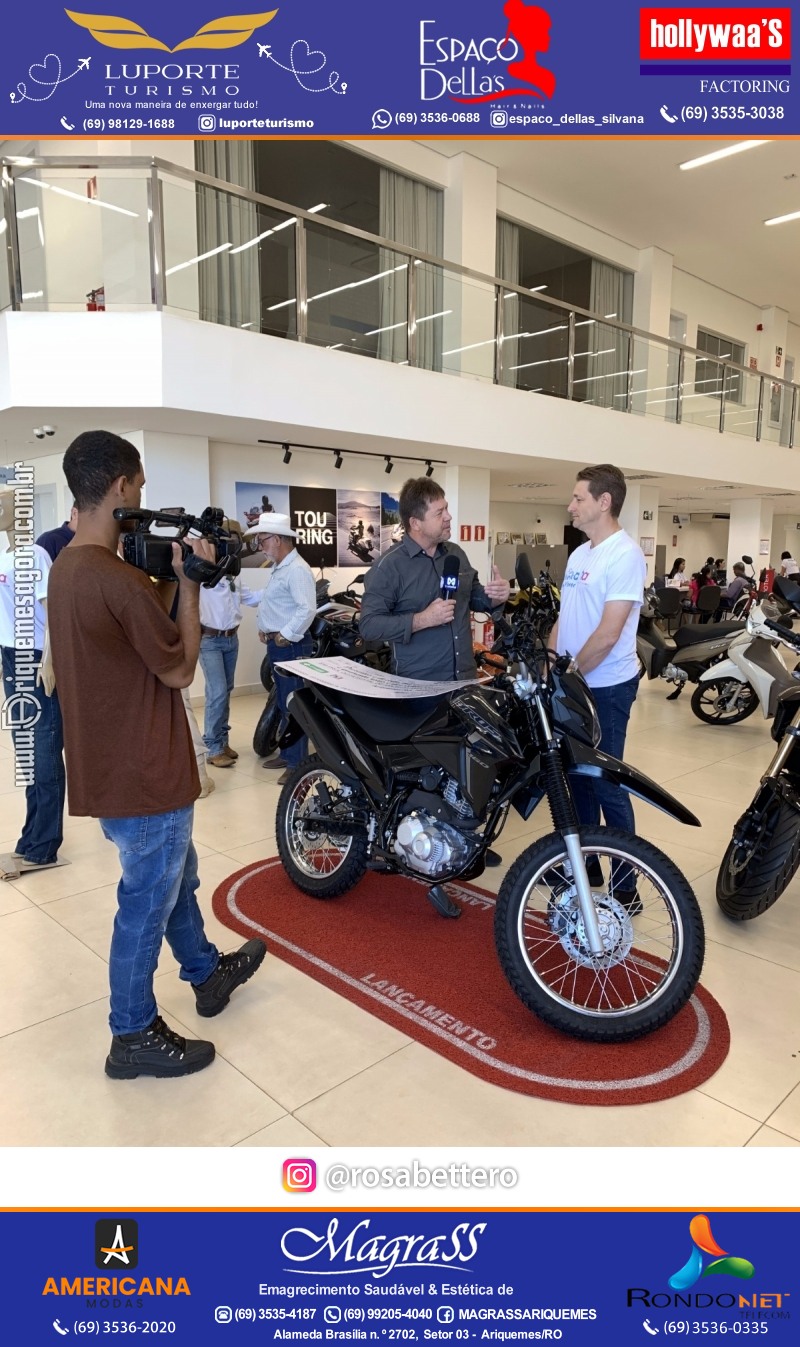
(430, 846)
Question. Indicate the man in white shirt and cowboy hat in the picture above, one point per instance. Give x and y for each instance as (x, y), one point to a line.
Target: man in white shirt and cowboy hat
(285, 613)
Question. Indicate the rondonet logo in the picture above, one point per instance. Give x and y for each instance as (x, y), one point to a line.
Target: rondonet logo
(722, 34)
(360, 1251)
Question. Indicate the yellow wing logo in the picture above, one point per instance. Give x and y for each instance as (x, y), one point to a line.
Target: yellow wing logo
(112, 31)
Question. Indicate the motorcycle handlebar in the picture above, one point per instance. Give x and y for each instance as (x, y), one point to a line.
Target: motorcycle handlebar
(785, 633)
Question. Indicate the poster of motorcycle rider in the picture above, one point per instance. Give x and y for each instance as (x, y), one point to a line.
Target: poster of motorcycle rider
(392, 530)
(359, 518)
(252, 500)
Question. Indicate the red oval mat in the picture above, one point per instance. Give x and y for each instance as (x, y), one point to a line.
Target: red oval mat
(439, 981)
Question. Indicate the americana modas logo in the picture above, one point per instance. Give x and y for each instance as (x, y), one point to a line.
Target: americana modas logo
(116, 1244)
(230, 31)
(696, 1266)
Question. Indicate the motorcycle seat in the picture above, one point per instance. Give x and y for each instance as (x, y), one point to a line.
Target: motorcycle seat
(711, 631)
(387, 722)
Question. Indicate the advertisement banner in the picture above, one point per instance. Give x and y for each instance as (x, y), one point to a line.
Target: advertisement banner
(359, 516)
(380, 1276)
(503, 68)
(312, 510)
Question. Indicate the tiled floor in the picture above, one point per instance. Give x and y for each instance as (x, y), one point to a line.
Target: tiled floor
(297, 1064)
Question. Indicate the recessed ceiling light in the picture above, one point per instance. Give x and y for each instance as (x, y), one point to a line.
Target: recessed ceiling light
(736, 148)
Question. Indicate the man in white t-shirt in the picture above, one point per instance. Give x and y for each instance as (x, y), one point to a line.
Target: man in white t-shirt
(600, 601)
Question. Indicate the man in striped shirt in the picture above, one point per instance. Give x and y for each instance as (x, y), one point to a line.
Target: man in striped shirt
(285, 614)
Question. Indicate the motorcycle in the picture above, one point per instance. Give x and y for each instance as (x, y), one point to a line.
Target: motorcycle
(682, 658)
(361, 546)
(422, 788)
(334, 631)
(764, 851)
(544, 599)
(751, 675)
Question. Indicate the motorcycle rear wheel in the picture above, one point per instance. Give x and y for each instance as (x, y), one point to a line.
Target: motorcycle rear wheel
(646, 973)
(705, 699)
(753, 876)
(317, 859)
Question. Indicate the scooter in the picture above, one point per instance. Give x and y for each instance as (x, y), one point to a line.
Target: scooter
(751, 675)
(764, 852)
(683, 658)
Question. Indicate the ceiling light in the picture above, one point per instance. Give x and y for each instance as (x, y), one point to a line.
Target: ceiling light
(338, 460)
(313, 210)
(429, 468)
(534, 288)
(389, 464)
(736, 148)
(781, 219)
(193, 261)
(287, 454)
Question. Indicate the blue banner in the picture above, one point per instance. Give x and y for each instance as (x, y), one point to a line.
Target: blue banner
(382, 1277)
(307, 68)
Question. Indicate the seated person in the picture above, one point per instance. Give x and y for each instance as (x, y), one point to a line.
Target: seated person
(719, 572)
(699, 581)
(677, 578)
(738, 585)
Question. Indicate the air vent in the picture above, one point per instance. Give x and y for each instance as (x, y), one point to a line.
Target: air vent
(529, 486)
(642, 477)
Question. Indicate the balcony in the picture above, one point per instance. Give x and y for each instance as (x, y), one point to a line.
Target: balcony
(138, 235)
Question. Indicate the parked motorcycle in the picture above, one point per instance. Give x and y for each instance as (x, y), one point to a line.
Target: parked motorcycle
(334, 631)
(682, 658)
(764, 852)
(752, 674)
(597, 932)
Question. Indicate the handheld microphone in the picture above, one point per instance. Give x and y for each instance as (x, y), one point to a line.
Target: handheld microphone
(449, 584)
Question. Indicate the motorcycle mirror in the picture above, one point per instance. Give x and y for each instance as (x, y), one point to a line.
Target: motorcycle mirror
(747, 560)
(359, 580)
(523, 572)
(480, 618)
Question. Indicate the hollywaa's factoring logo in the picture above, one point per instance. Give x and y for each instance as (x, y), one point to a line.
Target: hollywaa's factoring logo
(463, 67)
(112, 31)
(359, 1251)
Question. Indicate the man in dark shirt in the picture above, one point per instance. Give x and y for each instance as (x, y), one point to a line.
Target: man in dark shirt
(430, 636)
(53, 540)
(120, 662)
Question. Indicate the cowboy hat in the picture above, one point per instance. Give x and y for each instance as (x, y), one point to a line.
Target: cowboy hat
(278, 524)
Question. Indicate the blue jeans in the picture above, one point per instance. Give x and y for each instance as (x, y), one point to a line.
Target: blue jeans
(613, 709)
(284, 685)
(43, 831)
(218, 655)
(156, 897)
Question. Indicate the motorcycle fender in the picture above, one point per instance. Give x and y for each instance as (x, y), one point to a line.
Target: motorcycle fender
(725, 669)
(309, 715)
(590, 762)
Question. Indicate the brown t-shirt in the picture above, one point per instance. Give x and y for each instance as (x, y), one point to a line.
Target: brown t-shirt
(127, 740)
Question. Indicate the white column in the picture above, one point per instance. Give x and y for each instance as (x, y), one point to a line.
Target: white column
(468, 498)
(770, 349)
(176, 469)
(751, 523)
(470, 237)
(641, 501)
(652, 295)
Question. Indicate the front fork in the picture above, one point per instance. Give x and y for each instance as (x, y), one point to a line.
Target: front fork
(753, 815)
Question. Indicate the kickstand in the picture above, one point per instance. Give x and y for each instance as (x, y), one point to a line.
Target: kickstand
(443, 903)
(673, 696)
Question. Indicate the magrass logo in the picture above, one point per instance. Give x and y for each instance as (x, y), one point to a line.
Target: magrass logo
(116, 1244)
(695, 1267)
(219, 34)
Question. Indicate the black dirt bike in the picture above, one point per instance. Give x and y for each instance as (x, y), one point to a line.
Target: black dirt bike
(764, 852)
(598, 932)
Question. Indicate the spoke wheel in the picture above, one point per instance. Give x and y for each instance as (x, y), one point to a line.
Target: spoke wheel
(650, 927)
(723, 701)
(321, 860)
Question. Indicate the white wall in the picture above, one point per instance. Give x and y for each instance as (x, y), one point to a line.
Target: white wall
(695, 541)
(528, 517)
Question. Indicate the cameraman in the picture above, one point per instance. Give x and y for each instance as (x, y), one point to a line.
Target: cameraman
(120, 663)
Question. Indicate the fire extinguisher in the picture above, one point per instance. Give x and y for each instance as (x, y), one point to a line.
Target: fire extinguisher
(96, 300)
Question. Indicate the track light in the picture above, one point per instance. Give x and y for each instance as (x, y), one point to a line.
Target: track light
(429, 468)
(338, 460)
(287, 454)
(389, 464)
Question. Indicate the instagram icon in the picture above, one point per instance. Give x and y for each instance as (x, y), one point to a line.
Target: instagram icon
(299, 1176)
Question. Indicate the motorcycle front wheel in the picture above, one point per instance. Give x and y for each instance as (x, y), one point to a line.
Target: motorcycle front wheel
(650, 925)
(756, 869)
(268, 729)
(320, 860)
(723, 701)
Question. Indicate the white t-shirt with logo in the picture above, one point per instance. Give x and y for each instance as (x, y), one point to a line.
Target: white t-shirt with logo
(613, 569)
(21, 611)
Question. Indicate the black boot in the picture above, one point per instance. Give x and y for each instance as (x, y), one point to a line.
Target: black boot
(213, 995)
(156, 1051)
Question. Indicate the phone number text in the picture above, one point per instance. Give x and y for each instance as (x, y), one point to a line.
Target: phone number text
(699, 1326)
(726, 112)
(129, 124)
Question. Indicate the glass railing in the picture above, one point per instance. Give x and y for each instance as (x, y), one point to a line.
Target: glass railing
(138, 233)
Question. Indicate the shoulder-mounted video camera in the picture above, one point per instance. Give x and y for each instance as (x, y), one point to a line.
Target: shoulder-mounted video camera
(152, 553)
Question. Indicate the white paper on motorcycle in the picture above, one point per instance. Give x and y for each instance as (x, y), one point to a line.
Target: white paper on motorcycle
(362, 681)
